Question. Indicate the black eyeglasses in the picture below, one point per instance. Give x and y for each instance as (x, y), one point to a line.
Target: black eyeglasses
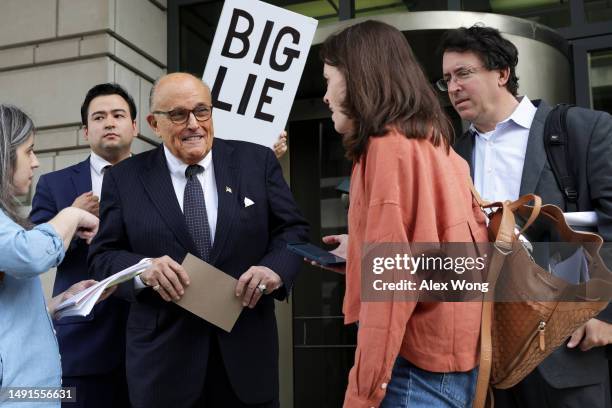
(180, 116)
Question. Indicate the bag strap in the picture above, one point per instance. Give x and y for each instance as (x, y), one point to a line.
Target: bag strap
(556, 144)
(506, 230)
(482, 203)
(524, 200)
(503, 247)
(486, 344)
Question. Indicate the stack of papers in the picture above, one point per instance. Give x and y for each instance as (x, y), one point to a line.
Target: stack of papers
(83, 302)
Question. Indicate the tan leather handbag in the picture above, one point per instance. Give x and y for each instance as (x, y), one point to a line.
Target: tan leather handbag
(517, 335)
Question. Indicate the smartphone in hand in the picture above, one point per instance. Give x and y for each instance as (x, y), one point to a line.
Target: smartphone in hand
(314, 253)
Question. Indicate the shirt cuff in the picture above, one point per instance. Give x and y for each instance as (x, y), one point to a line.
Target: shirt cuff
(56, 248)
(138, 283)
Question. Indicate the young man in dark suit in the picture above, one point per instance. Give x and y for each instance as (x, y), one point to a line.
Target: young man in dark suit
(92, 347)
(225, 202)
(505, 149)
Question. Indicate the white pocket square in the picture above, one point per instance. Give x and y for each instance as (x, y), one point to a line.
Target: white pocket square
(248, 202)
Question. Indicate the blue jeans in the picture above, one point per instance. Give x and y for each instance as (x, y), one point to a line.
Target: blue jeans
(411, 387)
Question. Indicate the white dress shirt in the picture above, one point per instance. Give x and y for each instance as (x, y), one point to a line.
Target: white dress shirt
(179, 181)
(97, 165)
(499, 155)
(207, 180)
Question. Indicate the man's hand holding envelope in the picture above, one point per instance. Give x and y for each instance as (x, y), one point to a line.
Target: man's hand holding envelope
(206, 291)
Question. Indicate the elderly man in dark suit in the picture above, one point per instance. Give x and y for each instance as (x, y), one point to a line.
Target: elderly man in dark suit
(505, 149)
(225, 202)
(92, 347)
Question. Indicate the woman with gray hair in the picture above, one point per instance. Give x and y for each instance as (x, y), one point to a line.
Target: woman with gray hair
(29, 355)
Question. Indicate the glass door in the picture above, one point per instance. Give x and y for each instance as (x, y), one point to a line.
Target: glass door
(323, 348)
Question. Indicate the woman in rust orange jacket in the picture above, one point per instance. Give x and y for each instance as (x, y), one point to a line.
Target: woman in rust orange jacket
(407, 186)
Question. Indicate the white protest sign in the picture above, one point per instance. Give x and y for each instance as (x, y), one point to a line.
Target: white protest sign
(254, 69)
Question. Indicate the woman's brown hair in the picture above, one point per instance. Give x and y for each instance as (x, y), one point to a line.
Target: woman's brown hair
(385, 86)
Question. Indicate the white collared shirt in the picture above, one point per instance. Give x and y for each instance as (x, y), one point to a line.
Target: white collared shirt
(179, 181)
(97, 165)
(207, 180)
(499, 155)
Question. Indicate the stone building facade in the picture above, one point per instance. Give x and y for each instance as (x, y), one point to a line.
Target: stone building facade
(53, 51)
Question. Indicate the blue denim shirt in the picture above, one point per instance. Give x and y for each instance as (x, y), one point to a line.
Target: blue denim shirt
(29, 354)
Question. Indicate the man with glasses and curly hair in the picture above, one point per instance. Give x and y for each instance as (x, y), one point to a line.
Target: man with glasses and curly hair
(505, 149)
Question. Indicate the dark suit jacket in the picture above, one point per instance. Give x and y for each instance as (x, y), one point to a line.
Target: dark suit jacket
(565, 367)
(88, 345)
(167, 347)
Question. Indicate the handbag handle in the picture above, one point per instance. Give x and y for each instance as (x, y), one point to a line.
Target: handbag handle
(535, 211)
(482, 203)
(506, 231)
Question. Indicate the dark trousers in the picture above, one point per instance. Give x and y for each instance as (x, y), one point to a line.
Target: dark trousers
(218, 391)
(99, 391)
(535, 392)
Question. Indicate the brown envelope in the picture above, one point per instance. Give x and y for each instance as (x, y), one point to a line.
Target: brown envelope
(211, 295)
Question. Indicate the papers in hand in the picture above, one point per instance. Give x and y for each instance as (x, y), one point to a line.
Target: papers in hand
(83, 302)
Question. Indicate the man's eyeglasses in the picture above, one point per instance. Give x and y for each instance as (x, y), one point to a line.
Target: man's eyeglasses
(180, 116)
(460, 76)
